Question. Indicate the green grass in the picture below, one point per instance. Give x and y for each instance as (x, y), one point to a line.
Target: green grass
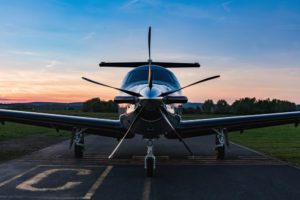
(14, 130)
(282, 142)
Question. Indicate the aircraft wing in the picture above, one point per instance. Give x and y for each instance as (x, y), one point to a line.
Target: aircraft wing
(198, 127)
(104, 127)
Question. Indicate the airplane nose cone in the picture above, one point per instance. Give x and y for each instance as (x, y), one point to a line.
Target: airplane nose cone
(150, 93)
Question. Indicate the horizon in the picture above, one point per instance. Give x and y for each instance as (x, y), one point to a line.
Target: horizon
(201, 102)
(47, 46)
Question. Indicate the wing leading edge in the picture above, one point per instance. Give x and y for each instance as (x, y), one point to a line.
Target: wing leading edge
(193, 128)
(104, 127)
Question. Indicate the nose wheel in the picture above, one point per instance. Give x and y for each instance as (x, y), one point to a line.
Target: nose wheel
(149, 159)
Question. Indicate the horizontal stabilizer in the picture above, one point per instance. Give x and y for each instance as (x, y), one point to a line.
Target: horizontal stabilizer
(137, 64)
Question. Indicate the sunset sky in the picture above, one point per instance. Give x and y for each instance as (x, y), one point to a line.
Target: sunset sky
(47, 46)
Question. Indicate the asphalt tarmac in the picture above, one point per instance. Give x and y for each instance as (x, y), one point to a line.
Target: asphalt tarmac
(53, 173)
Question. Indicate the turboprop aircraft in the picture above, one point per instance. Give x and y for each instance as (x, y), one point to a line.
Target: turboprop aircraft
(150, 90)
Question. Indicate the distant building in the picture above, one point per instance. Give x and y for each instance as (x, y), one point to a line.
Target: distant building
(191, 105)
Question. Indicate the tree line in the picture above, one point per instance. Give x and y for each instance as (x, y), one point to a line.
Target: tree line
(98, 105)
(243, 106)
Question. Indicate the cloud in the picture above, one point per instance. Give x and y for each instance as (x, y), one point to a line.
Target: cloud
(5, 99)
(190, 11)
(26, 53)
(135, 3)
(130, 3)
(52, 63)
(89, 36)
(225, 6)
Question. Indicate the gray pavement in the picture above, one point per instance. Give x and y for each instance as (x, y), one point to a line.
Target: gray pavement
(53, 173)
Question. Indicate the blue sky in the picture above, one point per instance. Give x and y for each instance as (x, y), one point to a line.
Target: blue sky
(253, 45)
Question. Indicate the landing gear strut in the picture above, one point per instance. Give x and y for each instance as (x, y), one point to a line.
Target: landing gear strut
(220, 143)
(79, 143)
(149, 159)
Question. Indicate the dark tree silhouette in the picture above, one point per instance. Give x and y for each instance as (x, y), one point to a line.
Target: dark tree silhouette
(96, 105)
(222, 107)
(208, 106)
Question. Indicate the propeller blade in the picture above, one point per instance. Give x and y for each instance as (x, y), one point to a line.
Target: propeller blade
(119, 89)
(72, 139)
(129, 129)
(149, 60)
(149, 43)
(203, 80)
(177, 134)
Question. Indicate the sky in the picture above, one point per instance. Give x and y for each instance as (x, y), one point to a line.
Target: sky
(47, 46)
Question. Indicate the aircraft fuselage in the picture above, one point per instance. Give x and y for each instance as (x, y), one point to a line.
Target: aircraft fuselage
(151, 123)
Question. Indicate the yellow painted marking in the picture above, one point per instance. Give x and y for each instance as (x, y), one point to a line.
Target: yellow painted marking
(28, 185)
(147, 189)
(98, 182)
(17, 176)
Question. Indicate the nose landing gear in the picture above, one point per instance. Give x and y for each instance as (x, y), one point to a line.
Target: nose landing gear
(150, 159)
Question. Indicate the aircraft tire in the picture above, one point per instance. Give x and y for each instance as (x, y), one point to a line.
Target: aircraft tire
(220, 152)
(150, 166)
(78, 150)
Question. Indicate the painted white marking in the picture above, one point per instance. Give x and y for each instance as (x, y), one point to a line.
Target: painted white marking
(249, 149)
(17, 176)
(267, 156)
(28, 185)
(70, 165)
(38, 197)
(98, 182)
(147, 189)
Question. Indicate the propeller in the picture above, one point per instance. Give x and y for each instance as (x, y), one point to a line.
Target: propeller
(203, 80)
(119, 89)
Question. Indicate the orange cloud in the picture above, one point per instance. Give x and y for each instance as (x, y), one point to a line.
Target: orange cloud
(67, 86)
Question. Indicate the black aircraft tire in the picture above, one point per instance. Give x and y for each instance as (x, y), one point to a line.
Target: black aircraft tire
(150, 167)
(78, 150)
(220, 153)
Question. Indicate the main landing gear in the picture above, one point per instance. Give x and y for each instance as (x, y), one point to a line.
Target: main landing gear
(150, 159)
(78, 137)
(221, 141)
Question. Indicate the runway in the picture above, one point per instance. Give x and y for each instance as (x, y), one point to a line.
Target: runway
(53, 173)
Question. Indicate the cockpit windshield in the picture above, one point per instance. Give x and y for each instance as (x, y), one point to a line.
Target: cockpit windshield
(160, 75)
